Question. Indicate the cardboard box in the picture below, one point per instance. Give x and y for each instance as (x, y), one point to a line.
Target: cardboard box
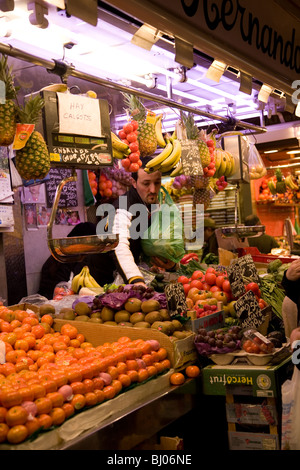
(252, 441)
(257, 381)
(33, 308)
(179, 351)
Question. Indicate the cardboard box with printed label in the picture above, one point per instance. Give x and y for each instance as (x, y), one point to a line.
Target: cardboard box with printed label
(258, 381)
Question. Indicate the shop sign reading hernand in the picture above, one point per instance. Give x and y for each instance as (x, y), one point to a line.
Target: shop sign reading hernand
(260, 38)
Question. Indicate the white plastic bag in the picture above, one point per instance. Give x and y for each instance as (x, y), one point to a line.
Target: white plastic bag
(290, 426)
(257, 168)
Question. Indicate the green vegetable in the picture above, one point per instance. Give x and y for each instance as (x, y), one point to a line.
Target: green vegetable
(188, 269)
(274, 266)
(272, 294)
(210, 258)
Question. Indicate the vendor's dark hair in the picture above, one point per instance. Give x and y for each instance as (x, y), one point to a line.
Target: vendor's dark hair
(145, 160)
(251, 220)
(83, 229)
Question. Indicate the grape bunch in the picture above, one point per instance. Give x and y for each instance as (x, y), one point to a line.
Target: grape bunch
(221, 341)
(182, 181)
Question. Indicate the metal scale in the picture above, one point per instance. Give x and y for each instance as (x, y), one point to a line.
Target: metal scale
(237, 145)
(73, 151)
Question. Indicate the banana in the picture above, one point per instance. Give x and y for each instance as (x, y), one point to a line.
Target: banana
(161, 157)
(229, 165)
(118, 154)
(172, 160)
(93, 281)
(223, 165)
(158, 132)
(218, 156)
(118, 144)
(88, 280)
(77, 281)
(290, 182)
(178, 170)
(233, 169)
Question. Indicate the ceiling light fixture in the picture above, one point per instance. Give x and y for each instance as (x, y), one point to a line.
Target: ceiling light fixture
(264, 93)
(146, 36)
(271, 151)
(150, 81)
(245, 83)
(292, 152)
(37, 17)
(216, 70)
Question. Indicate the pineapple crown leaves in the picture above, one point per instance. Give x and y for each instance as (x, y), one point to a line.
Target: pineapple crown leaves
(30, 112)
(135, 106)
(7, 76)
(278, 175)
(191, 128)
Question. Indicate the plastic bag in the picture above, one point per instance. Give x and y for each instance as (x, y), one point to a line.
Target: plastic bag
(164, 237)
(290, 424)
(257, 168)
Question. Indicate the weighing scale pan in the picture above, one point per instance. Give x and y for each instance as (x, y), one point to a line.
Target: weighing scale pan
(243, 231)
(74, 246)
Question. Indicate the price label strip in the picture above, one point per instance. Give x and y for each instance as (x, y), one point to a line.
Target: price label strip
(176, 302)
(248, 311)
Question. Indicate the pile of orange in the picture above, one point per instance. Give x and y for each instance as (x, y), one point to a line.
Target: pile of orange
(48, 376)
(178, 378)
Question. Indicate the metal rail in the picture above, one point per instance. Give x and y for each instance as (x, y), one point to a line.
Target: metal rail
(70, 70)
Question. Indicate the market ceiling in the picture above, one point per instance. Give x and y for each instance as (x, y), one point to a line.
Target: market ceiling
(175, 63)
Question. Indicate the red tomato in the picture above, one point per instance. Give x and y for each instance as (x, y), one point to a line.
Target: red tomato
(206, 286)
(122, 134)
(210, 278)
(252, 286)
(215, 289)
(196, 283)
(125, 162)
(197, 275)
(183, 279)
(134, 167)
(226, 286)
(134, 146)
(134, 157)
(186, 288)
(219, 280)
(128, 128)
(211, 270)
(134, 124)
(132, 137)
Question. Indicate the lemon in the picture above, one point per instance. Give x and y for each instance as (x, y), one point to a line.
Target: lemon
(91, 94)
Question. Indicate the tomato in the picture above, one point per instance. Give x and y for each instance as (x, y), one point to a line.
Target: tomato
(197, 275)
(262, 304)
(122, 134)
(215, 289)
(134, 167)
(253, 286)
(134, 124)
(134, 157)
(211, 270)
(219, 280)
(226, 286)
(131, 137)
(134, 146)
(196, 283)
(210, 278)
(125, 162)
(183, 279)
(128, 128)
(186, 288)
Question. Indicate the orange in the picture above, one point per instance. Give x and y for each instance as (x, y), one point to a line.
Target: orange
(192, 371)
(3, 431)
(113, 372)
(10, 338)
(166, 364)
(6, 327)
(45, 421)
(78, 401)
(30, 338)
(80, 338)
(56, 398)
(13, 356)
(89, 385)
(68, 409)
(75, 343)
(38, 390)
(158, 366)
(16, 415)
(3, 412)
(90, 399)
(79, 387)
(32, 321)
(133, 375)
(121, 367)
(146, 347)
(100, 395)
(32, 426)
(86, 344)
(132, 364)
(109, 392)
(44, 405)
(177, 378)
(58, 416)
(47, 319)
(69, 330)
(8, 368)
(65, 339)
(125, 380)
(151, 370)
(8, 315)
(10, 397)
(162, 353)
(59, 345)
(20, 315)
(26, 393)
(21, 344)
(143, 375)
(17, 434)
(117, 385)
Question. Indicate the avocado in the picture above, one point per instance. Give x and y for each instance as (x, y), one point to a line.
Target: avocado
(95, 320)
(164, 313)
(122, 316)
(142, 324)
(107, 314)
(137, 317)
(67, 313)
(150, 306)
(151, 317)
(82, 318)
(47, 309)
(81, 308)
(160, 326)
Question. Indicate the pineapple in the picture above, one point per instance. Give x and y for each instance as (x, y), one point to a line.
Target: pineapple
(201, 196)
(193, 133)
(146, 130)
(280, 184)
(33, 160)
(8, 121)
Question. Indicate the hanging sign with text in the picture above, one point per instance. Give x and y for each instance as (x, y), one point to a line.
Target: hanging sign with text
(78, 115)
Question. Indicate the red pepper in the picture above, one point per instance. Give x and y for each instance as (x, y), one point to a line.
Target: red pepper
(187, 258)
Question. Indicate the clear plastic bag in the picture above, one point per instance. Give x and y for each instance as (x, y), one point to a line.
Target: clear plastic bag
(257, 168)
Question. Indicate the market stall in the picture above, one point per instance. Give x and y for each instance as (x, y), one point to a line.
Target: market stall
(81, 366)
